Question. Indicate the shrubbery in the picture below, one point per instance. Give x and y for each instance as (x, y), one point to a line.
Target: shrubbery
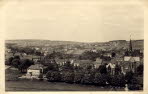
(78, 76)
(117, 81)
(16, 63)
(68, 76)
(100, 79)
(53, 76)
(129, 76)
(140, 69)
(134, 84)
(88, 77)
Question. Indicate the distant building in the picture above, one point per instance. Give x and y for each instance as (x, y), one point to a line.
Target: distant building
(76, 64)
(8, 50)
(83, 63)
(131, 58)
(107, 54)
(60, 62)
(117, 42)
(94, 50)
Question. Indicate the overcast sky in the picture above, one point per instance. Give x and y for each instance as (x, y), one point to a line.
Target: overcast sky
(73, 21)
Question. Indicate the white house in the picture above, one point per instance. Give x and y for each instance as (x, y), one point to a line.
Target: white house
(35, 71)
(128, 58)
(130, 63)
(112, 66)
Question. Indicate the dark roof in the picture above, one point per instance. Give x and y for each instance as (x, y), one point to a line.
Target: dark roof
(84, 62)
(60, 61)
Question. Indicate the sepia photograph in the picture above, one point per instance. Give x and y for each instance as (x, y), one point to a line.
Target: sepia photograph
(74, 45)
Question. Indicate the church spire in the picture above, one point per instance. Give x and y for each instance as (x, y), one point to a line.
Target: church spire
(130, 45)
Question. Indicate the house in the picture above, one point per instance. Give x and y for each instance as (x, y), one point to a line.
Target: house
(107, 54)
(83, 63)
(119, 59)
(130, 63)
(111, 68)
(60, 62)
(35, 71)
(76, 64)
(136, 59)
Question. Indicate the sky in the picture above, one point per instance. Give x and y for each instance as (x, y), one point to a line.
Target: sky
(73, 20)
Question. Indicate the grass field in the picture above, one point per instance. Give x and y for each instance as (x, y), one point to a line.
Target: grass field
(12, 74)
(28, 85)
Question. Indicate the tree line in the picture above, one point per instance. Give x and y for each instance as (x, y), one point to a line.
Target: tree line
(89, 76)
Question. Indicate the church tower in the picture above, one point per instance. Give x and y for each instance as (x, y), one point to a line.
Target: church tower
(130, 45)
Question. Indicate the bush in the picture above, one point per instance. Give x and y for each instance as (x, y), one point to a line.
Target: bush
(53, 76)
(51, 66)
(118, 81)
(17, 57)
(129, 76)
(88, 78)
(25, 63)
(140, 69)
(100, 79)
(134, 85)
(9, 61)
(68, 76)
(102, 69)
(78, 76)
(16, 63)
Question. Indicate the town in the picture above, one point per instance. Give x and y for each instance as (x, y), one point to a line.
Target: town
(116, 64)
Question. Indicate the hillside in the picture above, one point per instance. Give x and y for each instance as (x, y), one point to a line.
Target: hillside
(29, 42)
(111, 45)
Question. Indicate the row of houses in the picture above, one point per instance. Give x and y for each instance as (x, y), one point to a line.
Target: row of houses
(127, 63)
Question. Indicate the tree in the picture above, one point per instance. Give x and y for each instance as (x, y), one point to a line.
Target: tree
(134, 85)
(38, 53)
(68, 76)
(102, 69)
(88, 77)
(89, 55)
(51, 66)
(53, 76)
(67, 66)
(25, 63)
(17, 57)
(9, 61)
(117, 81)
(78, 75)
(16, 63)
(129, 76)
(113, 54)
(117, 69)
(140, 69)
(100, 79)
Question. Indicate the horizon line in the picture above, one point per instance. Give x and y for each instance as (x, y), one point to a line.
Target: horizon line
(72, 40)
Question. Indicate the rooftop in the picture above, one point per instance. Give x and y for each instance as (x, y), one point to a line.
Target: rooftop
(36, 67)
